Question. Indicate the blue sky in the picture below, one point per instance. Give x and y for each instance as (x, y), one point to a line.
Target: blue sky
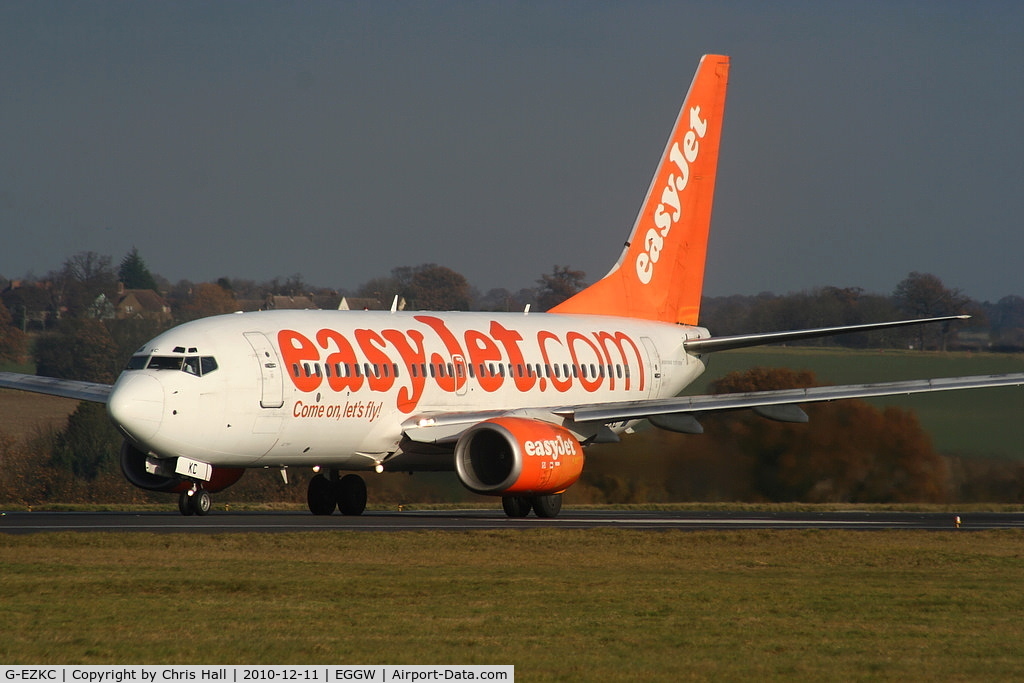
(862, 141)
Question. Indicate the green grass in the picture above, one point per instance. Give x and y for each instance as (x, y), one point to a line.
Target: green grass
(559, 605)
(982, 422)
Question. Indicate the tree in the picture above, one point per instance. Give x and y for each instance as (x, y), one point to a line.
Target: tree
(427, 287)
(206, 299)
(82, 281)
(78, 349)
(561, 284)
(12, 339)
(849, 452)
(922, 295)
(438, 288)
(89, 444)
(133, 273)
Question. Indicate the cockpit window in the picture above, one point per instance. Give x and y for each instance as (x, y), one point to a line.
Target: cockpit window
(193, 365)
(165, 363)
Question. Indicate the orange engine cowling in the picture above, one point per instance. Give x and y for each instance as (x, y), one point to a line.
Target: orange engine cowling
(133, 466)
(515, 455)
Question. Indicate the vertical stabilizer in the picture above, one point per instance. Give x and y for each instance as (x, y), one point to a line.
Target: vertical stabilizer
(660, 274)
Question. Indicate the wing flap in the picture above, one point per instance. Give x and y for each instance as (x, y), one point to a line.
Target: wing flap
(67, 388)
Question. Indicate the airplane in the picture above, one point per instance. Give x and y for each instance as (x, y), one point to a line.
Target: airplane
(509, 401)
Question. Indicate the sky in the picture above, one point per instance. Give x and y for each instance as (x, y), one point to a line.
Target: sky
(338, 140)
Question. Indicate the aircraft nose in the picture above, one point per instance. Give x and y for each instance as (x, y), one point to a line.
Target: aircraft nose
(136, 404)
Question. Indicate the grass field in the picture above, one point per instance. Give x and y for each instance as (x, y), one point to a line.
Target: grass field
(559, 605)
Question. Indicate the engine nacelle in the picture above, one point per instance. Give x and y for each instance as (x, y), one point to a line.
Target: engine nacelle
(133, 466)
(518, 456)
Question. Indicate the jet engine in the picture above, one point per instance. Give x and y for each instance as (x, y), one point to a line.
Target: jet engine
(133, 465)
(518, 456)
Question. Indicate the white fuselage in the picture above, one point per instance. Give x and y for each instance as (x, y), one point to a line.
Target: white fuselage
(338, 388)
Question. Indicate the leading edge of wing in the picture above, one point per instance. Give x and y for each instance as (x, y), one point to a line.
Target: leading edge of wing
(67, 388)
(634, 410)
(742, 341)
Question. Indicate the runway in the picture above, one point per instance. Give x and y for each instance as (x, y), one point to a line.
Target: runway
(15, 522)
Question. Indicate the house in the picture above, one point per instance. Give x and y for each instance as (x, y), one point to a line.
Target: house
(352, 303)
(141, 304)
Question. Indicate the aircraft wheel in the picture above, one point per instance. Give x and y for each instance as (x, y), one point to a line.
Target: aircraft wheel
(185, 504)
(320, 496)
(351, 491)
(547, 506)
(515, 506)
(201, 502)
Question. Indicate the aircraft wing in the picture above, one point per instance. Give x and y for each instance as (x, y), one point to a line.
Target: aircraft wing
(743, 341)
(633, 410)
(68, 388)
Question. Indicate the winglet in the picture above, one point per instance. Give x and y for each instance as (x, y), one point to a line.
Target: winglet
(660, 274)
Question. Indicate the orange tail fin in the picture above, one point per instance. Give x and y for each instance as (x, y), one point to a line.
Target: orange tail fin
(660, 274)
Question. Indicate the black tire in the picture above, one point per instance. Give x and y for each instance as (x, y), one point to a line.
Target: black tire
(201, 502)
(185, 504)
(351, 493)
(320, 496)
(516, 506)
(547, 506)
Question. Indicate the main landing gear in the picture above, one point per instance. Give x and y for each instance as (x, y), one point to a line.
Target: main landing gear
(195, 501)
(544, 506)
(347, 493)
